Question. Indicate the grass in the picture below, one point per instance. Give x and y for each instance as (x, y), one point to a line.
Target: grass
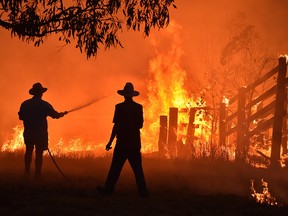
(177, 187)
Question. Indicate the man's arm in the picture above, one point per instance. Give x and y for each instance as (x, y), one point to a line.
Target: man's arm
(113, 135)
(20, 113)
(53, 113)
(57, 115)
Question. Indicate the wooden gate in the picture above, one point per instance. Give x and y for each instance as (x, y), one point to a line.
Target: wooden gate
(257, 116)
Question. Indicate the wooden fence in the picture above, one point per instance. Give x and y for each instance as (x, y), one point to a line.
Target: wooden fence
(271, 114)
(245, 118)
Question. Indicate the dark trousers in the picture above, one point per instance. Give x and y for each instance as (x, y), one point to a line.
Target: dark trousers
(119, 158)
(38, 159)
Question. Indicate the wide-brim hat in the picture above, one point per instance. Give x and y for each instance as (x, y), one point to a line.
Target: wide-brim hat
(37, 88)
(128, 90)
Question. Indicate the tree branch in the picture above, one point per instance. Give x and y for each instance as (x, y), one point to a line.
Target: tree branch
(6, 25)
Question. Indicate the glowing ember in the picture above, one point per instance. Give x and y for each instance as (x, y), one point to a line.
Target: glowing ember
(225, 100)
(265, 196)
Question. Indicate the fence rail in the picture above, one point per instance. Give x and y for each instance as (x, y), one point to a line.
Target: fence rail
(276, 107)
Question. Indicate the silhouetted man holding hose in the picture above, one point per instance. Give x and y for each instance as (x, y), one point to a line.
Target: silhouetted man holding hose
(33, 112)
(128, 120)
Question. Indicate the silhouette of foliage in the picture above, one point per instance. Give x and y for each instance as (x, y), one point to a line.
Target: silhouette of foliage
(90, 22)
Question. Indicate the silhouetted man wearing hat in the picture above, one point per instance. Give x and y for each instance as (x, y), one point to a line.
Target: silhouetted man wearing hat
(128, 120)
(33, 113)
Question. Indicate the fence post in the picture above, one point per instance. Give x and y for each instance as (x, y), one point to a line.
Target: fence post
(172, 131)
(191, 131)
(162, 142)
(222, 124)
(241, 150)
(284, 131)
(279, 113)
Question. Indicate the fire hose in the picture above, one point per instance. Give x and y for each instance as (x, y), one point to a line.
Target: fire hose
(69, 111)
(58, 168)
(85, 105)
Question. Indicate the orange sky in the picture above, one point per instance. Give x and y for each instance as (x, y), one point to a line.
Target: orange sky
(73, 80)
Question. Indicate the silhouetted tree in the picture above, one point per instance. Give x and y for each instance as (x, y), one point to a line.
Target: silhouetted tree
(90, 22)
(243, 58)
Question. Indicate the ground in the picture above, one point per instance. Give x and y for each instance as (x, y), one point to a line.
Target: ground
(198, 187)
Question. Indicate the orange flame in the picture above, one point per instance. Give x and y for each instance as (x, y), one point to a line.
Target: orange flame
(76, 148)
(263, 197)
(166, 88)
(17, 141)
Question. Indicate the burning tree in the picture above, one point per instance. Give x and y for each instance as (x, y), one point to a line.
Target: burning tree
(91, 23)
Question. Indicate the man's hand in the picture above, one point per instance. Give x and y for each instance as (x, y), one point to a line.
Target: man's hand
(108, 146)
(63, 113)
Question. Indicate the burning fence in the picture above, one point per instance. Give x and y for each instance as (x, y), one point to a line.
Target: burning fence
(258, 123)
(249, 129)
(185, 133)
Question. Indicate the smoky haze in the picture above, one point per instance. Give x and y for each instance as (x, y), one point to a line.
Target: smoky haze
(72, 80)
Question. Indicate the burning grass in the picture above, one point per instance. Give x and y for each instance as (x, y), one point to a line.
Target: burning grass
(265, 196)
(177, 187)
